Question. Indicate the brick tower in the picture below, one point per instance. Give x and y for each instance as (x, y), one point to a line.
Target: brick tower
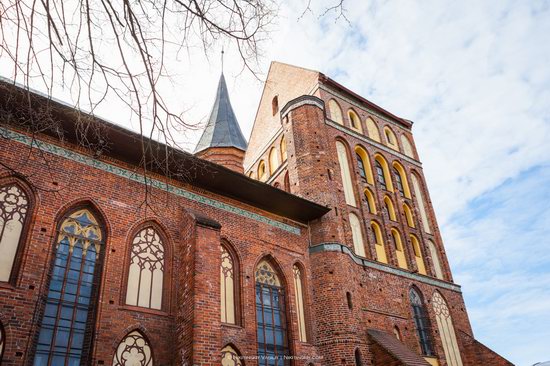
(382, 289)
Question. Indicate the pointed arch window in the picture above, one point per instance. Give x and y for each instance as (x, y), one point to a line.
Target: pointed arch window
(273, 160)
(262, 173)
(401, 180)
(270, 317)
(371, 205)
(378, 243)
(408, 215)
(418, 255)
(228, 283)
(275, 105)
(335, 112)
(446, 330)
(420, 204)
(345, 173)
(68, 320)
(383, 173)
(363, 165)
(133, 350)
(389, 208)
(14, 206)
(357, 235)
(230, 357)
(399, 250)
(283, 149)
(146, 272)
(287, 183)
(358, 361)
(372, 129)
(391, 140)
(407, 147)
(396, 332)
(300, 307)
(354, 121)
(435, 259)
(421, 322)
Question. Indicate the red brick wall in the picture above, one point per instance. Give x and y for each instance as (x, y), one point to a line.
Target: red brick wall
(189, 330)
(476, 353)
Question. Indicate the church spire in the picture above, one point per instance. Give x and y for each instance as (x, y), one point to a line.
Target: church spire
(222, 129)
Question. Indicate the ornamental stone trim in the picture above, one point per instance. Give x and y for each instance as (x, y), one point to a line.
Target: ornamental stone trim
(125, 173)
(300, 101)
(337, 247)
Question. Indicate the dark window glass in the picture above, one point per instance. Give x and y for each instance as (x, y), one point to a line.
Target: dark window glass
(398, 181)
(380, 175)
(358, 358)
(361, 167)
(66, 327)
(270, 318)
(421, 322)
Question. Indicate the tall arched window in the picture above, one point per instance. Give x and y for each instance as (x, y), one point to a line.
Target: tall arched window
(363, 165)
(262, 173)
(300, 307)
(335, 112)
(379, 243)
(357, 235)
(287, 183)
(358, 361)
(275, 105)
(68, 320)
(388, 204)
(421, 322)
(270, 317)
(228, 284)
(434, 253)
(420, 204)
(383, 173)
(401, 180)
(372, 129)
(273, 160)
(133, 350)
(370, 201)
(230, 357)
(418, 255)
(354, 121)
(345, 173)
(283, 149)
(14, 206)
(399, 250)
(391, 140)
(146, 272)
(407, 147)
(446, 330)
(408, 215)
(2, 341)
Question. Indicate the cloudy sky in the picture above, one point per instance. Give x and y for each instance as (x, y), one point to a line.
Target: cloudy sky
(474, 76)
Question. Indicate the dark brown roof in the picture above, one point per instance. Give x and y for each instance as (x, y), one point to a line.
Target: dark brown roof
(125, 145)
(397, 349)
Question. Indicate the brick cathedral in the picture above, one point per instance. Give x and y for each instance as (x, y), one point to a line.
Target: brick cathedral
(314, 243)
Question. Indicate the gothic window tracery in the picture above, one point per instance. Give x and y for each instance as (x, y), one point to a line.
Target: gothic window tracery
(227, 283)
(133, 350)
(300, 307)
(230, 357)
(422, 322)
(14, 206)
(446, 330)
(68, 315)
(270, 317)
(146, 272)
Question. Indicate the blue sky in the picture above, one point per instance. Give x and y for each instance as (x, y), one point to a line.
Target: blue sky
(474, 76)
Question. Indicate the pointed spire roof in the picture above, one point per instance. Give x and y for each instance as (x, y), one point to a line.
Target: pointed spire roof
(222, 129)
